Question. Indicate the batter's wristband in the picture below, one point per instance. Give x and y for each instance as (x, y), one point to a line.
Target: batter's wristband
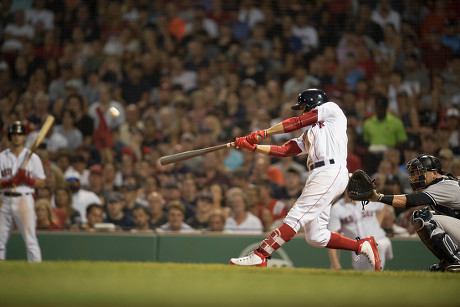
(387, 199)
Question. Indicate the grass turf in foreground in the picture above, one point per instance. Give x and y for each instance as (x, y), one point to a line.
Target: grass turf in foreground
(171, 284)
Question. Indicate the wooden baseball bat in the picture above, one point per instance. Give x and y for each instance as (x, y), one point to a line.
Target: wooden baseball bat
(41, 135)
(192, 153)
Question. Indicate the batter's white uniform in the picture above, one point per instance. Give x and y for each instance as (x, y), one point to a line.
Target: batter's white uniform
(351, 221)
(18, 204)
(324, 142)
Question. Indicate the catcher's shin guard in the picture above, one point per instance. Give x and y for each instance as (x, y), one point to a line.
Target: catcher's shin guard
(434, 237)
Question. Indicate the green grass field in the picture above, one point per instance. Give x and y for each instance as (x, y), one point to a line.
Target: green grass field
(171, 284)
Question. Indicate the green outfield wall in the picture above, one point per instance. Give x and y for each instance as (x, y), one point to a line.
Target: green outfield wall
(409, 253)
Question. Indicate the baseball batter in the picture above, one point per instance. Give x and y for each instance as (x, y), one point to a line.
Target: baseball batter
(325, 141)
(17, 189)
(437, 224)
(348, 218)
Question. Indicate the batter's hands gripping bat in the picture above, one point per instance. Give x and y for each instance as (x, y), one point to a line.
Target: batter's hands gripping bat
(192, 153)
(41, 135)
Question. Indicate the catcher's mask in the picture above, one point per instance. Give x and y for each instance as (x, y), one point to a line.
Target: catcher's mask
(418, 167)
(311, 98)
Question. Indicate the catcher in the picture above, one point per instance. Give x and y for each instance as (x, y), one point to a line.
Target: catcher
(437, 224)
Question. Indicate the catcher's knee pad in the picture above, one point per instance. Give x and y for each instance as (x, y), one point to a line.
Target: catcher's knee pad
(434, 236)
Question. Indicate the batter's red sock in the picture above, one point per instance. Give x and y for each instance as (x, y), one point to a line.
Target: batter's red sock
(340, 242)
(275, 239)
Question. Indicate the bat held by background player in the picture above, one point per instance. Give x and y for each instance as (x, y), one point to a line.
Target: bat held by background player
(41, 135)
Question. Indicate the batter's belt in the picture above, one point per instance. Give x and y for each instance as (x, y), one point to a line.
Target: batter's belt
(15, 194)
(321, 163)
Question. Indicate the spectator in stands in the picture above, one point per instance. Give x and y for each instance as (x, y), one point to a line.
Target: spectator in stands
(446, 157)
(450, 37)
(112, 176)
(380, 131)
(63, 201)
(45, 217)
(80, 198)
(40, 17)
(216, 221)
(264, 170)
(133, 88)
(291, 191)
(83, 121)
(104, 103)
(270, 210)
(94, 215)
(394, 156)
(299, 81)
(16, 33)
(79, 163)
(218, 195)
(430, 145)
(69, 131)
(453, 123)
(241, 220)
(455, 168)
(115, 214)
(128, 192)
(151, 184)
(95, 180)
(156, 210)
(175, 214)
(204, 207)
(384, 14)
(189, 195)
(141, 217)
(133, 123)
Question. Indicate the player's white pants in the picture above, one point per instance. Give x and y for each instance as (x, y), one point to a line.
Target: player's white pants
(312, 209)
(19, 211)
(385, 249)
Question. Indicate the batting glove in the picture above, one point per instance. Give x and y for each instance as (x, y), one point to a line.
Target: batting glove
(25, 177)
(256, 136)
(7, 183)
(243, 143)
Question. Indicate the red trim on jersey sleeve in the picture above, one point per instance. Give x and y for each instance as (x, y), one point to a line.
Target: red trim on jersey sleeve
(290, 148)
(295, 123)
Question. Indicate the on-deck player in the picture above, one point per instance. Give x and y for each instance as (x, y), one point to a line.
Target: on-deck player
(17, 188)
(348, 218)
(325, 141)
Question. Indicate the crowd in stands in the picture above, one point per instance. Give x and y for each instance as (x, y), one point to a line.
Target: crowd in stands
(188, 74)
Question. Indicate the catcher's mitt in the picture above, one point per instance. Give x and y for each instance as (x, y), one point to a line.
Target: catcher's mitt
(360, 186)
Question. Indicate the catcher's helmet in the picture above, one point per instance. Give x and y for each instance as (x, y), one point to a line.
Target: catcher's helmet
(16, 128)
(418, 167)
(311, 98)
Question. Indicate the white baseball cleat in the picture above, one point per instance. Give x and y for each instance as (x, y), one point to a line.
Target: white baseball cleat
(368, 248)
(254, 258)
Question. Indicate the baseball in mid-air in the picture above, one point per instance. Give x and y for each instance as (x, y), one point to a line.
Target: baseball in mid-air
(114, 113)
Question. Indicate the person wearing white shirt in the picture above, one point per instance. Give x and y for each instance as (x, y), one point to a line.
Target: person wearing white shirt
(384, 14)
(105, 102)
(241, 221)
(175, 215)
(80, 198)
(39, 16)
(17, 32)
